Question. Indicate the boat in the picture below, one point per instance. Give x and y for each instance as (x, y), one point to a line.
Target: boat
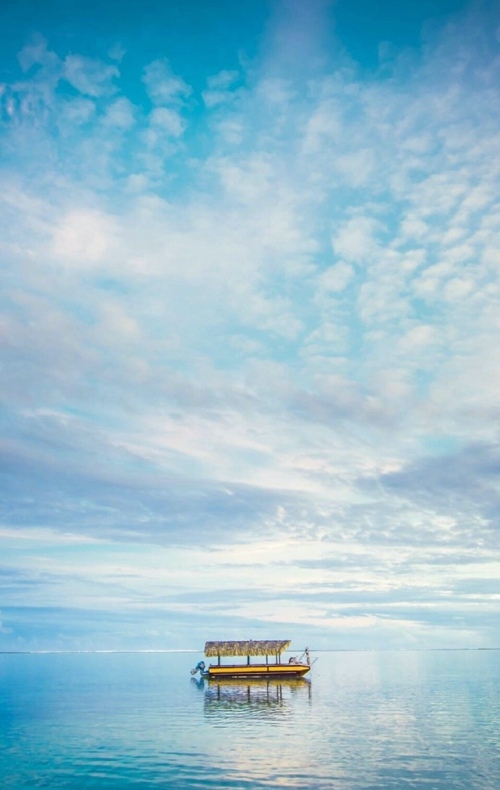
(268, 649)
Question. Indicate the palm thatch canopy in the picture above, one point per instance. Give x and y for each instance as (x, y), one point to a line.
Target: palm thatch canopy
(251, 648)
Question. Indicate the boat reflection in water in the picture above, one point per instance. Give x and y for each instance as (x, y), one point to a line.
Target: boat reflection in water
(254, 696)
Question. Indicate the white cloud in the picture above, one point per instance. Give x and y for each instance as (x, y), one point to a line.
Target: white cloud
(89, 76)
(83, 237)
(220, 88)
(329, 339)
(419, 337)
(336, 278)
(356, 240)
(117, 324)
(120, 114)
(166, 121)
(457, 288)
(77, 111)
(36, 53)
(117, 52)
(163, 86)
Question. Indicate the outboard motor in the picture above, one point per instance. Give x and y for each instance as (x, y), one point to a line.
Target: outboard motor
(200, 667)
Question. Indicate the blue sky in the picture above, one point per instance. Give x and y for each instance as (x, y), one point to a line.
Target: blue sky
(249, 324)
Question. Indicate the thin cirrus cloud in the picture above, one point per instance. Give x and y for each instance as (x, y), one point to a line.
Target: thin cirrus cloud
(249, 337)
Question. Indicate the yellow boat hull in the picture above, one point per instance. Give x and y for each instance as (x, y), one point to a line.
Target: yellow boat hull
(257, 670)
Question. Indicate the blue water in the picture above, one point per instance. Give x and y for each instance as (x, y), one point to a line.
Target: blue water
(364, 720)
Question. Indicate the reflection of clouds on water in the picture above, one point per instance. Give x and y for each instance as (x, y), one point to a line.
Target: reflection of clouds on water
(261, 697)
(255, 727)
(413, 714)
(366, 720)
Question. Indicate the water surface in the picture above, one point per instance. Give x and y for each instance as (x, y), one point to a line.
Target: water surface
(362, 721)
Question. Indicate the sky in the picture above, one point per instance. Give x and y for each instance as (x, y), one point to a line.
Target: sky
(250, 336)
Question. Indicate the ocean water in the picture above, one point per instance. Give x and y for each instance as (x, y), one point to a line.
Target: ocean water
(362, 721)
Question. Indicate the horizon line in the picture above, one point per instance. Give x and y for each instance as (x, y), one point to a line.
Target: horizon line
(194, 650)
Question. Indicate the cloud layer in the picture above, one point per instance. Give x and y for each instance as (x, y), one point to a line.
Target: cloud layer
(250, 345)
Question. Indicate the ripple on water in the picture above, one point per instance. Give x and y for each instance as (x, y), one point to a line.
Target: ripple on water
(362, 721)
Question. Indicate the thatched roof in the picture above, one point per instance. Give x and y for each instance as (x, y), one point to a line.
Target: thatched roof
(251, 648)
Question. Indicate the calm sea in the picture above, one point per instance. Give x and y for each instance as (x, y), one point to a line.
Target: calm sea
(363, 720)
